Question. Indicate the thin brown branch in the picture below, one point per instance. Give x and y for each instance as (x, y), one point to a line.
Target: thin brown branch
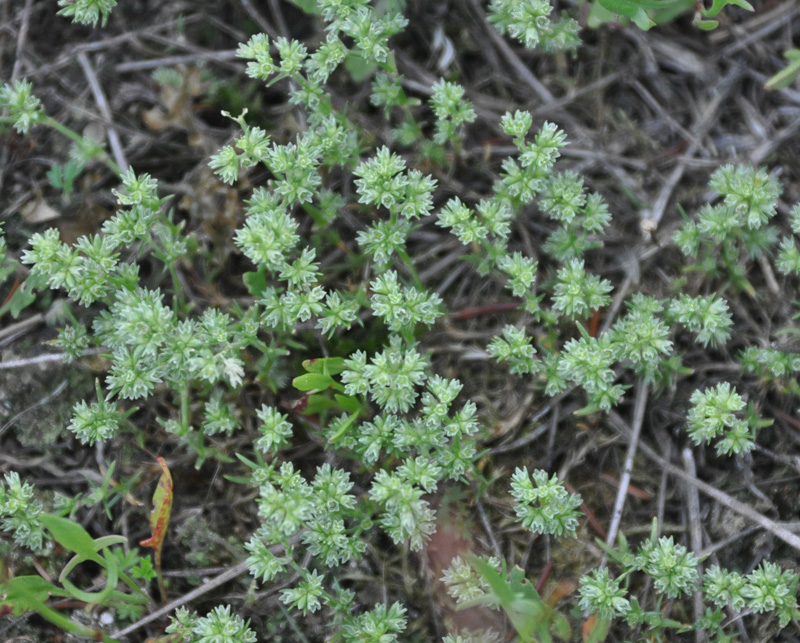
(721, 497)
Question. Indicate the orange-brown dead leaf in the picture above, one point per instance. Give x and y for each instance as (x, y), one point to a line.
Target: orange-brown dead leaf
(159, 519)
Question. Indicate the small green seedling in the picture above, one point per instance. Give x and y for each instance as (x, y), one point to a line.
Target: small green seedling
(33, 593)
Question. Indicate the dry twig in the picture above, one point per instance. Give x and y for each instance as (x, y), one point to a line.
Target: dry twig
(775, 528)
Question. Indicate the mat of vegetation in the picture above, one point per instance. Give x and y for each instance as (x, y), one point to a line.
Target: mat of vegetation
(399, 320)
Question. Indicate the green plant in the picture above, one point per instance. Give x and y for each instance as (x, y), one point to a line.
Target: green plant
(31, 593)
(392, 430)
(25, 111)
(542, 505)
(62, 177)
(649, 13)
(21, 512)
(533, 618)
(109, 492)
(674, 571)
(787, 75)
(530, 23)
(219, 626)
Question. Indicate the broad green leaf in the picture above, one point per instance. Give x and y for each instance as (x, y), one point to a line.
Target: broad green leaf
(256, 282)
(358, 67)
(343, 428)
(627, 8)
(659, 5)
(28, 593)
(349, 404)
(642, 20)
(599, 15)
(20, 300)
(107, 541)
(72, 536)
(719, 5)
(325, 365)
(521, 586)
(315, 404)
(24, 295)
(309, 6)
(560, 626)
(496, 581)
(314, 382)
(785, 76)
(595, 629)
(705, 25)
(532, 617)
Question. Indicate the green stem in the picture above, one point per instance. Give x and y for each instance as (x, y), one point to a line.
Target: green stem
(180, 301)
(414, 276)
(185, 408)
(68, 625)
(78, 139)
(343, 429)
(162, 588)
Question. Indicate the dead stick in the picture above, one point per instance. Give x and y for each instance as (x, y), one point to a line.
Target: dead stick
(638, 420)
(721, 497)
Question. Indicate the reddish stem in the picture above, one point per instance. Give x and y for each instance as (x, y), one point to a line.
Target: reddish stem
(594, 322)
(590, 515)
(14, 288)
(544, 576)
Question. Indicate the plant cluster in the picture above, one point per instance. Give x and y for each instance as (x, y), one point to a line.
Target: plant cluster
(648, 13)
(395, 431)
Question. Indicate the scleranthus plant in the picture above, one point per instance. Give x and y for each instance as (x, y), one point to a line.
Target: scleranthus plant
(219, 625)
(736, 230)
(543, 504)
(392, 432)
(675, 572)
(529, 22)
(719, 411)
(87, 12)
(20, 512)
